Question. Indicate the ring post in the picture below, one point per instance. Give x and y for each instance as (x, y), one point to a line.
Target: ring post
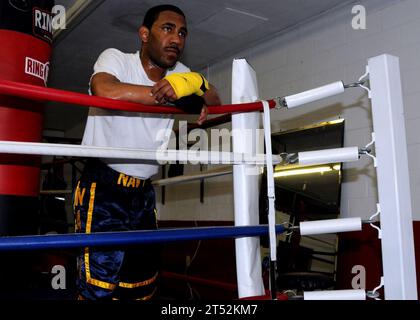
(245, 181)
(399, 268)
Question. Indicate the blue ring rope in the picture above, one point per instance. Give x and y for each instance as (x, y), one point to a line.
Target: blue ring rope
(76, 240)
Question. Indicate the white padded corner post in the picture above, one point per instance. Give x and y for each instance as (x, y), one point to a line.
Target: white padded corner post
(399, 268)
(245, 181)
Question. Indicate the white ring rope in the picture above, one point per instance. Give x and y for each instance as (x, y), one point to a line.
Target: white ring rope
(163, 156)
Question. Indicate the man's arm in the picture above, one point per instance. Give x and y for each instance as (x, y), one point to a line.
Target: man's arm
(106, 85)
(211, 97)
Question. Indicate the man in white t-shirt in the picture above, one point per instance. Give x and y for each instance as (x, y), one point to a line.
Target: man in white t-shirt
(116, 195)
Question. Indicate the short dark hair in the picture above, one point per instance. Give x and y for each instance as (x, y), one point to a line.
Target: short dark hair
(153, 13)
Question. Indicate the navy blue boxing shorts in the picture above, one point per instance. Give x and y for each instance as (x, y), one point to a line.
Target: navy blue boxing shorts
(107, 200)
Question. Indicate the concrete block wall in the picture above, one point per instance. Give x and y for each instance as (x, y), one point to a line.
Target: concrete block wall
(315, 53)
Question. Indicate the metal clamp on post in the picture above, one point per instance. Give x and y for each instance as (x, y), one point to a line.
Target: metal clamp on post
(362, 83)
(368, 151)
(288, 158)
(371, 220)
(374, 294)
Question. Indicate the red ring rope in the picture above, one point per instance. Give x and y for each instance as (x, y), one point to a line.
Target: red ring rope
(33, 92)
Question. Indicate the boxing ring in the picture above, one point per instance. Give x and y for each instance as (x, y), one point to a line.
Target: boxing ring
(390, 160)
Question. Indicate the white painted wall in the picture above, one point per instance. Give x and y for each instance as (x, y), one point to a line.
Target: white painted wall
(318, 52)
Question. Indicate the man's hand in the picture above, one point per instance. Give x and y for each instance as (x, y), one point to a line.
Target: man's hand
(203, 115)
(163, 92)
(188, 83)
(193, 104)
(177, 85)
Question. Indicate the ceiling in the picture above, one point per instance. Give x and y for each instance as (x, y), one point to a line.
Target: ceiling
(218, 29)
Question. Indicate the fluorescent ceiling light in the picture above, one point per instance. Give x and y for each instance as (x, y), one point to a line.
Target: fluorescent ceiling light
(294, 172)
(335, 121)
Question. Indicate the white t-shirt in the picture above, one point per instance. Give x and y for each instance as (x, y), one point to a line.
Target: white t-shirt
(121, 129)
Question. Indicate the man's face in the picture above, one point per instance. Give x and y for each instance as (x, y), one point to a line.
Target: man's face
(166, 39)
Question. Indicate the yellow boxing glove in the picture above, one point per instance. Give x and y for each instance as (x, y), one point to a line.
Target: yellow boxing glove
(187, 83)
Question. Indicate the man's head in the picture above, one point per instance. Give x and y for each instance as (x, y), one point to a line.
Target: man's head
(163, 35)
